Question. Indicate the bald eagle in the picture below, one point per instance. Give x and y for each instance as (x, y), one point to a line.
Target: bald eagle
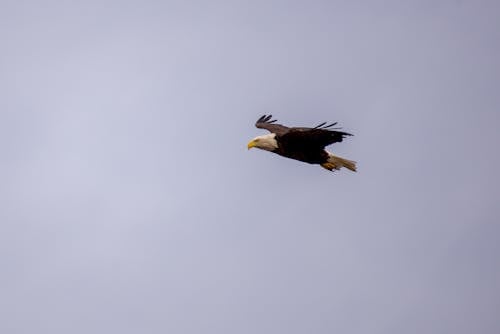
(303, 144)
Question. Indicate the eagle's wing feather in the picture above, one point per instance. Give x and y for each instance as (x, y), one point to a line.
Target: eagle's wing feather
(266, 122)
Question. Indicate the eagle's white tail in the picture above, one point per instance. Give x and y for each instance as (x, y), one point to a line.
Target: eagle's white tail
(335, 162)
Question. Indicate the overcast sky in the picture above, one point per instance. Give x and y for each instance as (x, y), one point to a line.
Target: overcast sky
(130, 204)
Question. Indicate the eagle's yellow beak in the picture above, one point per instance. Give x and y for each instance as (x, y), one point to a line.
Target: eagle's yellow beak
(251, 144)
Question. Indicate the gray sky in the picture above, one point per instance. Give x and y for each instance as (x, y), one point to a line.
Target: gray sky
(130, 204)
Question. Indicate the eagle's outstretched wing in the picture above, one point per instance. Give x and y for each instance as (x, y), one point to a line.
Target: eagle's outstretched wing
(266, 122)
(320, 136)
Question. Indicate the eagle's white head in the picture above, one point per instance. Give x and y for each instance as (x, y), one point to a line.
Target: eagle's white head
(266, 142)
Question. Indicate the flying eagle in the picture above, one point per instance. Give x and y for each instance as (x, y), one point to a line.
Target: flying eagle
(303, 144)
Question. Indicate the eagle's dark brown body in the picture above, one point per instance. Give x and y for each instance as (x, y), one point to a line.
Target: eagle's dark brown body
(292, 147)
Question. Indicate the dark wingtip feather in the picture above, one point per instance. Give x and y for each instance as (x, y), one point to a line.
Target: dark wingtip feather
(266, 119)
(322, 126)
(319, 125)
(330, 125)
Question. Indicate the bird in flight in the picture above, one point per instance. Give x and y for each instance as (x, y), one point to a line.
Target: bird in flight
(302, 143)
